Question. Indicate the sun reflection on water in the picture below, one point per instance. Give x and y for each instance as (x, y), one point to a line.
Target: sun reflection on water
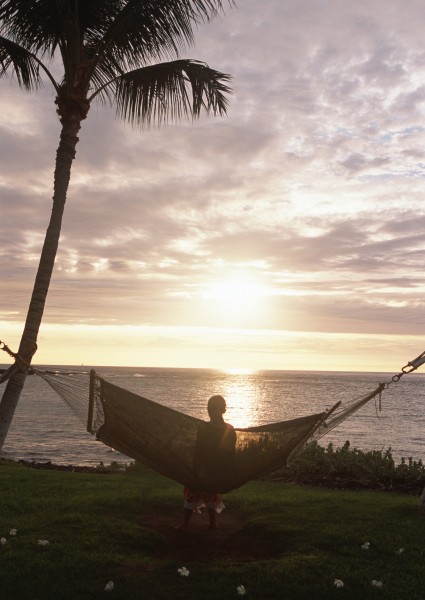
(240, 391)
(239, 371)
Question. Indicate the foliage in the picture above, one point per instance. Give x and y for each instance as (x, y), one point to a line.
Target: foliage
(110, 51)
(351, 467)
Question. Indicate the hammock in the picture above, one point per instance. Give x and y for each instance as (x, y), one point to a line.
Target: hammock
(165, 439)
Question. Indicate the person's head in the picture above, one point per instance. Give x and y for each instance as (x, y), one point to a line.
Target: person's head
(216, 406)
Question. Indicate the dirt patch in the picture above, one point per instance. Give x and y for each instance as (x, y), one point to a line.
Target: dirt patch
(231, 541)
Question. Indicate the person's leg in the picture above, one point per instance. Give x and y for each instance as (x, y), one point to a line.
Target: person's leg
(187, 515)
(213, 518)
(190, 504)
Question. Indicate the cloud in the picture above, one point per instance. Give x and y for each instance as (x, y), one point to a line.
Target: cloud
(357, 162)
(312, 184)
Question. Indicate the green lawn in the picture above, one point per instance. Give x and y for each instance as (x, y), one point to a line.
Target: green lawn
(278, 541)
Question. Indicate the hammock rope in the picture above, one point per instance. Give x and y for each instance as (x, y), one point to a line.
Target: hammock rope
(165, 439)
(73, 388)
(76, 390)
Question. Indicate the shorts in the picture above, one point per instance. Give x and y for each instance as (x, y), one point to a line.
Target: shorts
(195, 500)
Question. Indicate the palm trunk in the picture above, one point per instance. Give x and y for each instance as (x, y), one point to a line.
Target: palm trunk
(64, 158)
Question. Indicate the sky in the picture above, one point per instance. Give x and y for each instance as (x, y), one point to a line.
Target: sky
(289, 234)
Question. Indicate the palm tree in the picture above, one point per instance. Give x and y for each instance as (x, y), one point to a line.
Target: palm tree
(109, 51)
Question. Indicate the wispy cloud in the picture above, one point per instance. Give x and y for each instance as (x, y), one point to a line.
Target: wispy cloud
(312, 185)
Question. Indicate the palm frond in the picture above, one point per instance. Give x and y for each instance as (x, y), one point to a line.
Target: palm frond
(32, 24)
(170, 91)
(43, 26)
(16, 60)
(150, 30)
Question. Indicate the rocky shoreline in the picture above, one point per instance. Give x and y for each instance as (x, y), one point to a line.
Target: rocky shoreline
(99, 469)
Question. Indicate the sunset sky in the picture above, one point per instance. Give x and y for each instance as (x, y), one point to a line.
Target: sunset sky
(288, 235)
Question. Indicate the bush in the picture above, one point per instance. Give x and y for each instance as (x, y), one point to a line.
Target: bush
(351, 467)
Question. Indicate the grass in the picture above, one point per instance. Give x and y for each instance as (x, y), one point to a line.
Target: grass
(292, 543)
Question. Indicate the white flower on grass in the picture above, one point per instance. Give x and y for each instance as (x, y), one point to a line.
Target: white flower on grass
(109, 586)
(13, 532)
(338, 583)
(183, 572)
(43, 542)
(366, 546)
(400, 551)
(241, 590)
(376, 583)
(3, 541)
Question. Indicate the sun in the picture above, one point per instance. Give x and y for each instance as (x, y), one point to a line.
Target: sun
(236, 297)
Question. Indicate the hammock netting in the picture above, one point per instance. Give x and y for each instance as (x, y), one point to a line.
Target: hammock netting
(165, 439)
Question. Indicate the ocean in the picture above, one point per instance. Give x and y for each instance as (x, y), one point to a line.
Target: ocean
(45, 429)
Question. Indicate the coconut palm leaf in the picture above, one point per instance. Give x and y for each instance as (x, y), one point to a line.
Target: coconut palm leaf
(35, 24)
(115, 35)
(159, 92)
(145, 31)
(157, 29)
(23, 64)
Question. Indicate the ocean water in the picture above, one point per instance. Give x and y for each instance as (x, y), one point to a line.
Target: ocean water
(45, 429)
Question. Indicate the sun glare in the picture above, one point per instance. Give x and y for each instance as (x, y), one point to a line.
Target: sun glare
(236, 297)
(237, 371)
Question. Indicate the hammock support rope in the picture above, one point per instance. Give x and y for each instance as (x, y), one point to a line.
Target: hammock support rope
(165, 439)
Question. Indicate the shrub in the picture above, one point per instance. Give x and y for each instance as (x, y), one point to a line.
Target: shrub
(351, 467)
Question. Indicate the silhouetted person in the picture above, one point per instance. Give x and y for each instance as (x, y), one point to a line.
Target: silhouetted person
(213, 463)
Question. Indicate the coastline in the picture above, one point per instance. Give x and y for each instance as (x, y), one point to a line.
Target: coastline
(50, 466)
(410, 480)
